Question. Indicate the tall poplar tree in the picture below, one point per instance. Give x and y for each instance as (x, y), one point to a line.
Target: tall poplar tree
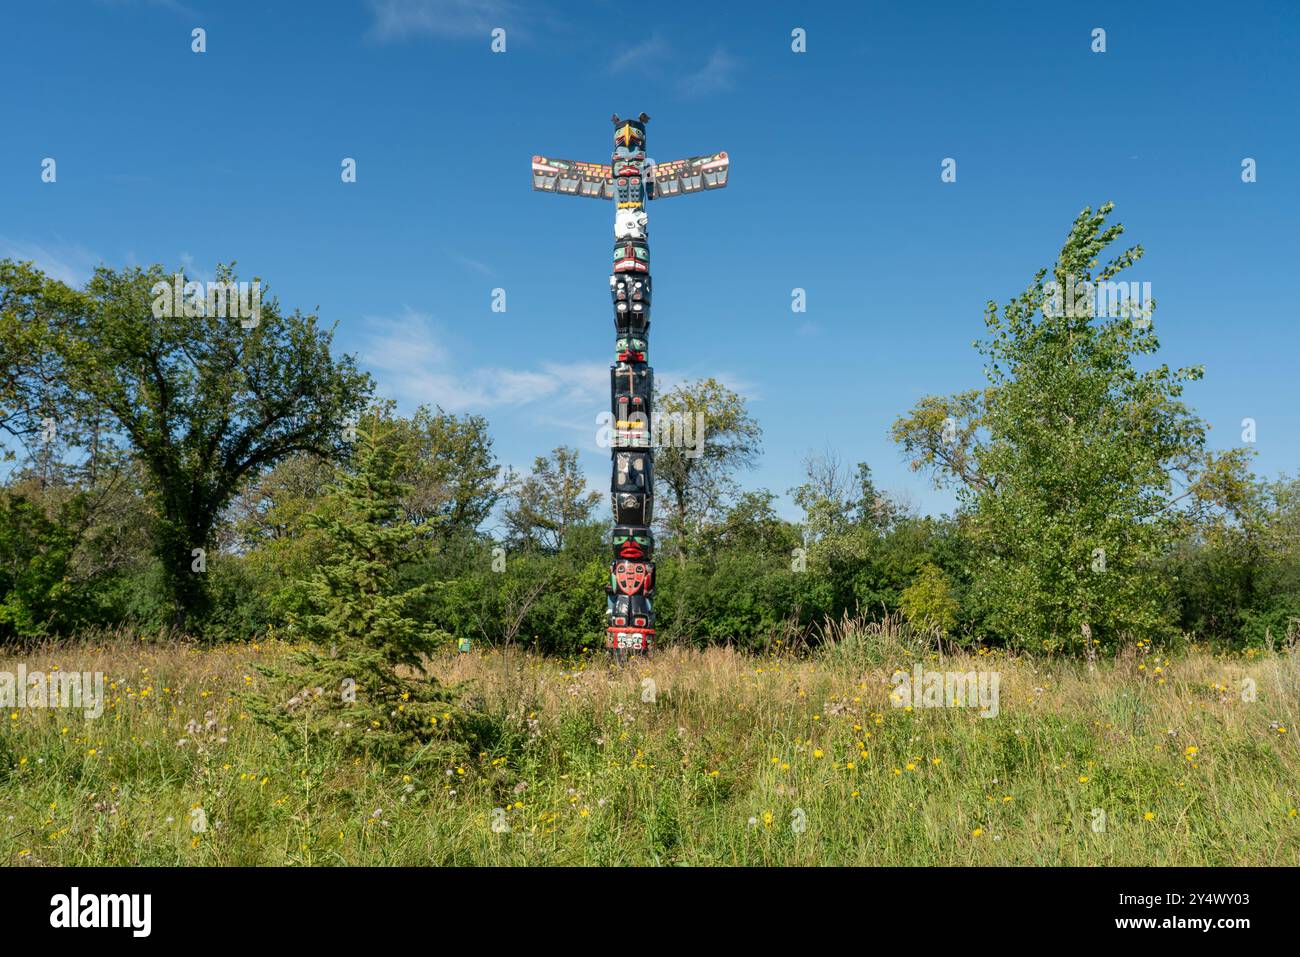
(1073, 459)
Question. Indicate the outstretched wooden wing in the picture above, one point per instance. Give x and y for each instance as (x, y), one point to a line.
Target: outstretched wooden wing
(687, 176)
(572, 178)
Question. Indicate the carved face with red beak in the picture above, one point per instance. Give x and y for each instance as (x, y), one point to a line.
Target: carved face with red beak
(630, 349)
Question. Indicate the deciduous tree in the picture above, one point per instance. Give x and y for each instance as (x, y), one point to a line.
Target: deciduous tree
(206, 402)
(693, 484)
(1074, 459)
(550, 501)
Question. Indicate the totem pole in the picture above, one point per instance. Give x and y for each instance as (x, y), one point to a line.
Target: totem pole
(630, 180)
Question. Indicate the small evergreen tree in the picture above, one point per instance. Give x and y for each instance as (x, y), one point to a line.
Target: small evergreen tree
(362, 682)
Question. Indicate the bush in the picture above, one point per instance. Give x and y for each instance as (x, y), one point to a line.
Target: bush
(928, 602)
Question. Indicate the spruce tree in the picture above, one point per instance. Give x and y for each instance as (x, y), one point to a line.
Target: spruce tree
(361, 680)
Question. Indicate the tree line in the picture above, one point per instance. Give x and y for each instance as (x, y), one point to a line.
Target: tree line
(204, 475)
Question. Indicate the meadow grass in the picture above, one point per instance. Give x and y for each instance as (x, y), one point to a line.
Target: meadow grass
(692, 757)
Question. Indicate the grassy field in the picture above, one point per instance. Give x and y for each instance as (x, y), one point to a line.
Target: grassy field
(690, 758)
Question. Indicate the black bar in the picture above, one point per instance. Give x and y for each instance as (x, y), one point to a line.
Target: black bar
(387, 908)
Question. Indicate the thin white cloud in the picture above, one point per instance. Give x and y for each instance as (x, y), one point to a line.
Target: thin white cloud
(195, 272)
(655, 47)
(474, 264)
(558, 403)
(396, 20)
(71, 263)
(717, 74)
(415, 368)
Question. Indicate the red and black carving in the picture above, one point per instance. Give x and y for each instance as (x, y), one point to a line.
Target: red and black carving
(632, 578)
(630, 181)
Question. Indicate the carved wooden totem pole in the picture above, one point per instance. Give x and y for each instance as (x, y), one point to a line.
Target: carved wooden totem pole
(630, 180)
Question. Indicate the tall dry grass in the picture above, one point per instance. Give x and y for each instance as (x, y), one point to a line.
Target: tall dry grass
(697, 757)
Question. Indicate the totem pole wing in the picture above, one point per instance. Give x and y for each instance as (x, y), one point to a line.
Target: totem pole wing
(687, 175)
(572, 178)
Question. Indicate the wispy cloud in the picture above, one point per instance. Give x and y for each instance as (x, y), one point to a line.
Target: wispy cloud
(555, 403)
(717, 74)
(396, 20)
(71, 263)
(655, 47)
(196, 272)
(474, 264)
(415, 368)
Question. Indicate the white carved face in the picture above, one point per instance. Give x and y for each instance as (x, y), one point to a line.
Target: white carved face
(630, 224)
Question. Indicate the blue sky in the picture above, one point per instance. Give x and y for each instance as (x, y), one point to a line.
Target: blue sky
(165, 155)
